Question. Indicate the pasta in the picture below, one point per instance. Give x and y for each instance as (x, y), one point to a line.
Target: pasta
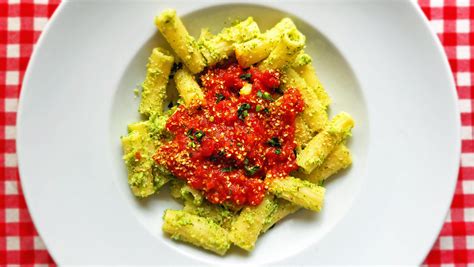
(220, 47)
(309, 75)
(339, 159)
(323, 143)
(154, 86)
(283, 208)
(249, 224)
(291, 43)
(257, 49)
(302, 133)
(144, 176)
(183, 44)
(247, 143)
(314, 113)
(187, 86)
(299, 192)
(196, 230)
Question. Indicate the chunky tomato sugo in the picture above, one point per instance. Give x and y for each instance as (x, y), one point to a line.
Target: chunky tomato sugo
(240, 133)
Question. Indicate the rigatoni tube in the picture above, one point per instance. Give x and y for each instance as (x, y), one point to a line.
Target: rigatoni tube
(179, 39)
(314, 113)
(221, 46)
(187, 86)
(324, 142)
(247, 226)
(196, 230)
(283, 209)
(339, 159)
(257, 49)
(291, 43)
(158, 70)
(299, 192)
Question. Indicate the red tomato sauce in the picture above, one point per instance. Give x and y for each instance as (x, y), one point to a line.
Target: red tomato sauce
(228, 143)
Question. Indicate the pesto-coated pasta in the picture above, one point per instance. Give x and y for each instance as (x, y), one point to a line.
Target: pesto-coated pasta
(218, 214)
(302, 133)
(196, 230)
(302, 59)
(221, 46)
(183, 44)
(247, 226)
(283, 209)
(299, 192)
(144, 177)
(324, 142)
(180, 190)
(339, 159)
(154, 87)
(187, 86)
(259, 48)
(308, 73)
(314, 113)
(291, 43)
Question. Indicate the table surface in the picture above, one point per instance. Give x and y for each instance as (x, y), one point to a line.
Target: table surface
(21, 23)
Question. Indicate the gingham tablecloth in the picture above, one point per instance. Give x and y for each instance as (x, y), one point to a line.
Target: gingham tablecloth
(21, 22)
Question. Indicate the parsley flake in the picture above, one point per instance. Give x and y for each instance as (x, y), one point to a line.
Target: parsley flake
(242, 112)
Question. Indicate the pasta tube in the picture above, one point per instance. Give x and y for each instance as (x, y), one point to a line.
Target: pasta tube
(187, 86)
(144, 177)
(314, 113)
(221, 46)
(247, 226)
(301, 60)
(196, 230)
(159, 67)
(259, 48)
(309, 75)
(218, 214)
(283, 209)
(183, 44)
(339, 159)
(291, 43)
(324, 142)
(299, 192)
(302, 133)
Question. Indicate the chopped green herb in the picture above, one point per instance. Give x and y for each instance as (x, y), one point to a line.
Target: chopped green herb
(251, 170)
(199, 135)
(190, 133)
(274, 142)
(265, 95)
(246, 76)
(219, 97)
(239, 144)
(228, 169)
(242, 112)
(192, 144)
(278, 151)
(266, 110)
(258, 108)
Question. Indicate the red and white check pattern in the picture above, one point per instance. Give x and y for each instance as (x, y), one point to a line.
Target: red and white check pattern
(21, 22)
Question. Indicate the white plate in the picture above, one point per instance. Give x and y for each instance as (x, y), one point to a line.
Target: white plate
(378, 60)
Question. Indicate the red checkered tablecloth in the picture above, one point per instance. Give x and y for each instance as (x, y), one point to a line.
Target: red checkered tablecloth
(21, 22)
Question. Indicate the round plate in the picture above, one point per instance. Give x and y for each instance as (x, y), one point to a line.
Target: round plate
(378, 60)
